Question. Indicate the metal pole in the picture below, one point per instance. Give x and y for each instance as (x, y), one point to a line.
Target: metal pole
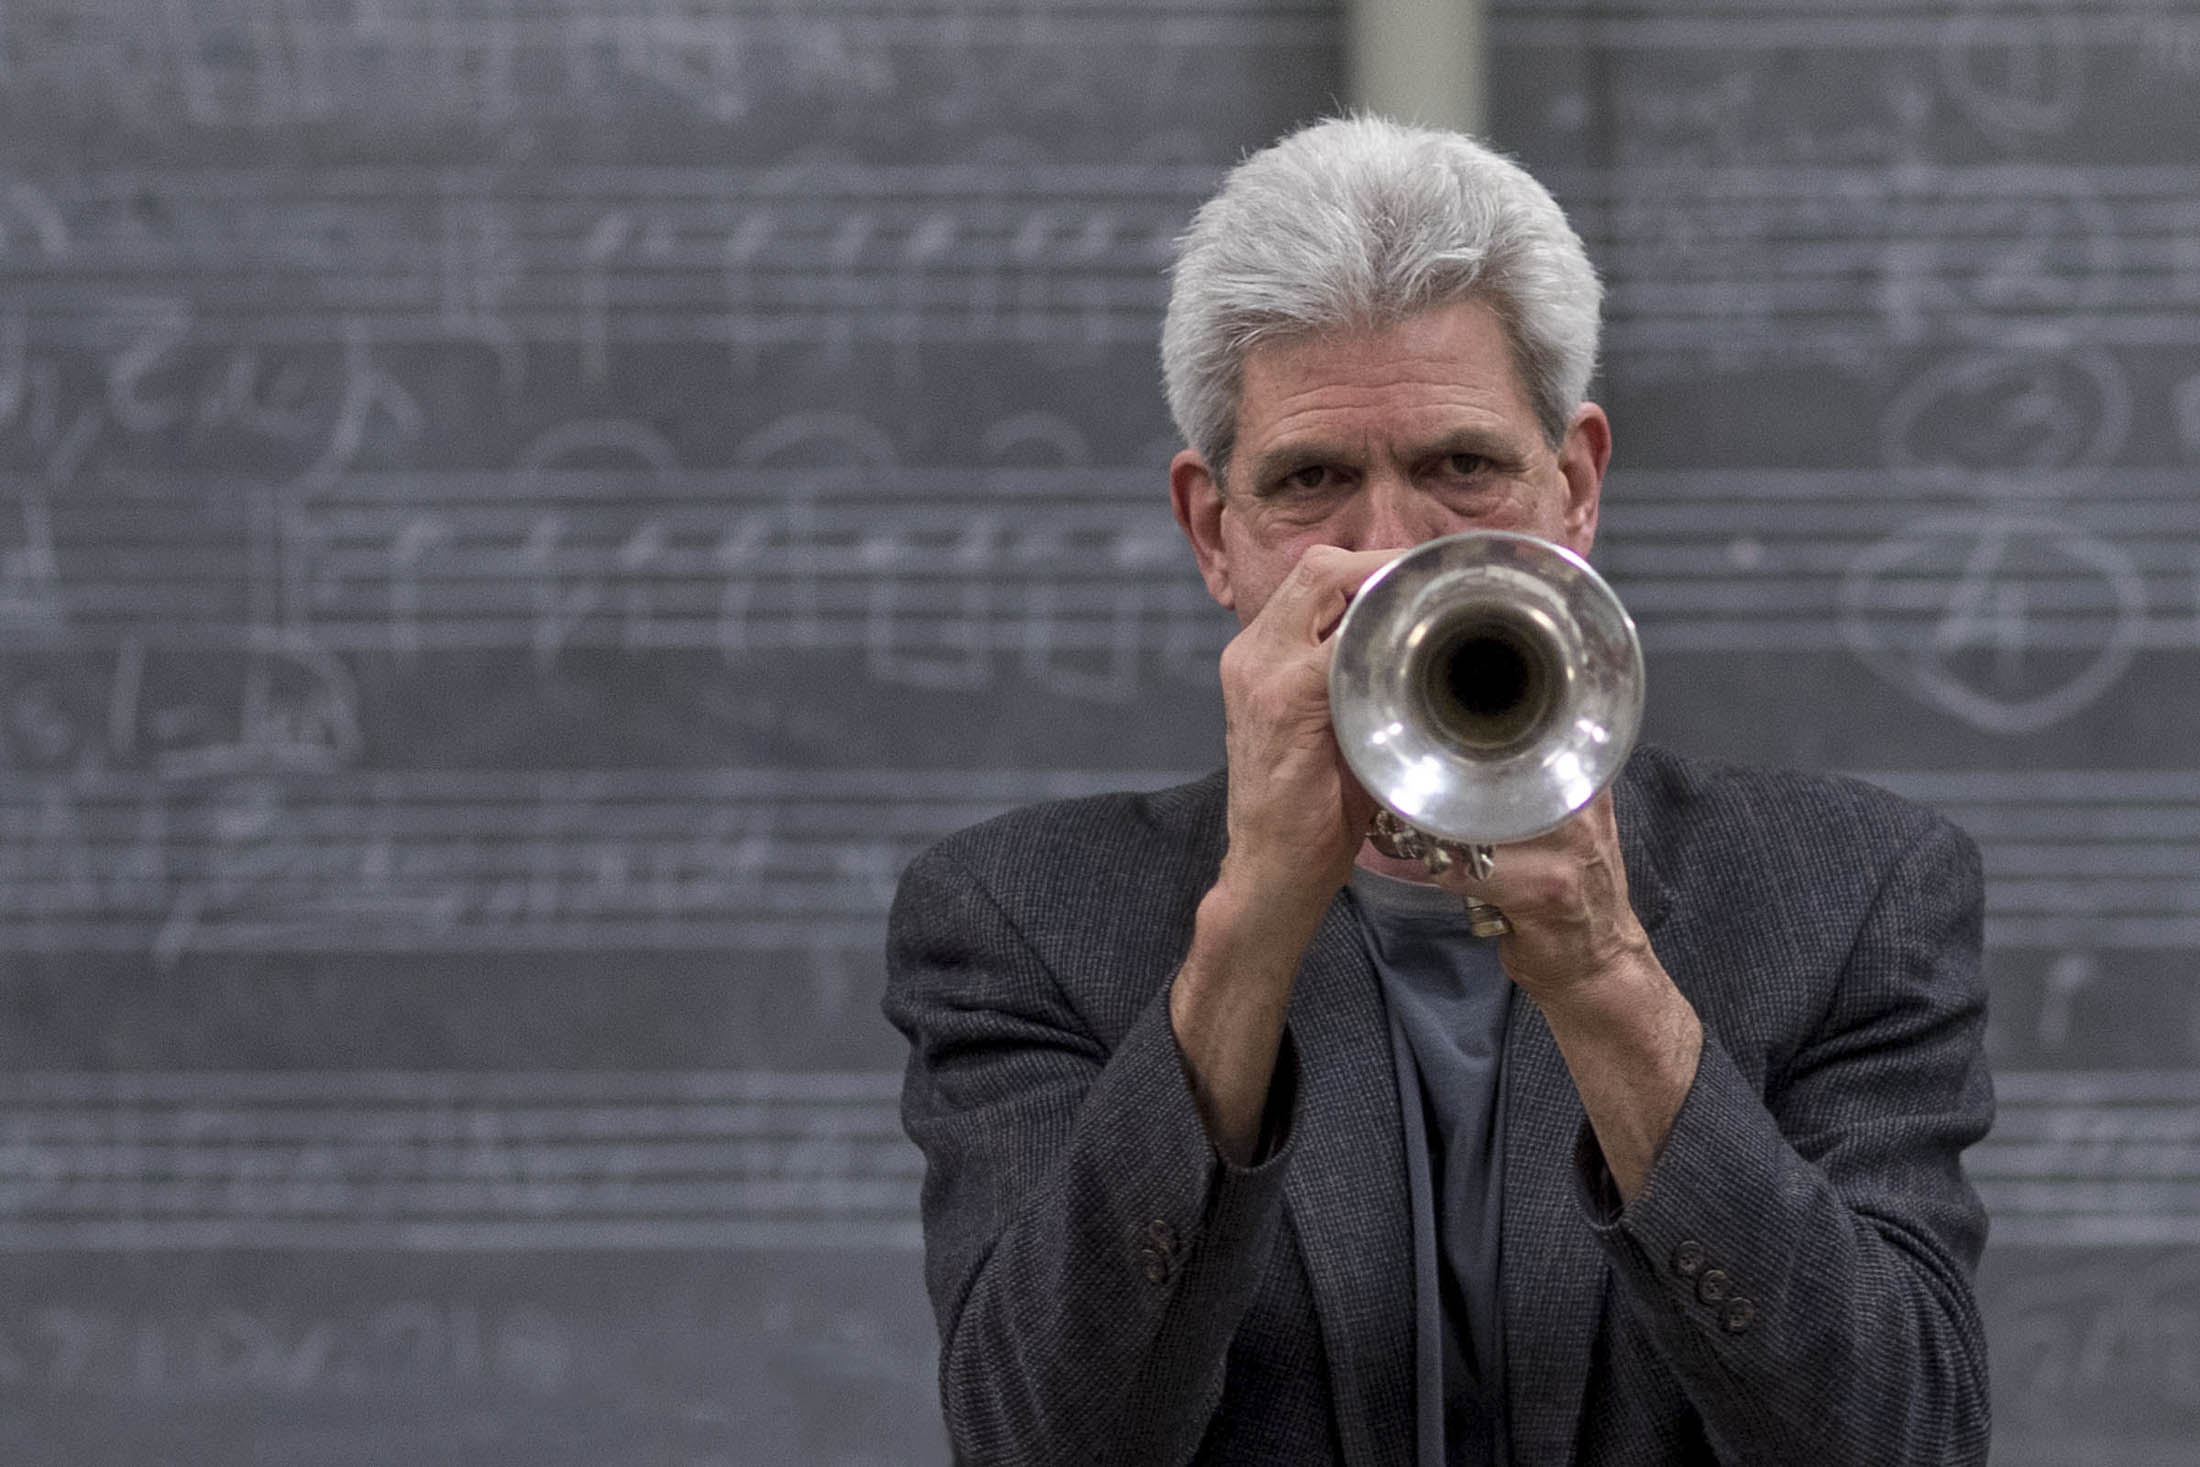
(1420, 61)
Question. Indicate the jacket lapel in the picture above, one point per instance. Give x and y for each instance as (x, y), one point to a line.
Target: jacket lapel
(1347, 1191)
(1553, 1275)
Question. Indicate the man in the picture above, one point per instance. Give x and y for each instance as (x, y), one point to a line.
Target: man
(1237, 1152)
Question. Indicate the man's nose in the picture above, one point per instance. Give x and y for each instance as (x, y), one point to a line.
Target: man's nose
(1393, 514)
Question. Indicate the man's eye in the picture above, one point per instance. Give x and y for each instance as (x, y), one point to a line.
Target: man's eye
(1313, 476)
(1465, 465)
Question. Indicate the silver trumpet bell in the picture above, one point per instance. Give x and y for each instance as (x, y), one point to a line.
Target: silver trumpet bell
(1483, 687)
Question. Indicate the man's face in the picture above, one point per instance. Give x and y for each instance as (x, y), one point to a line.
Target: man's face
(1379, 440)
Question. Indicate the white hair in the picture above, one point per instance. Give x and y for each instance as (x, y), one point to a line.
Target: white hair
(1360, 222)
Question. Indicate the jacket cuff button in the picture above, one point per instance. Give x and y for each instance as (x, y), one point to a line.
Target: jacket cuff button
(1738, 1315)
(1688, 1259)
(1713, 1286)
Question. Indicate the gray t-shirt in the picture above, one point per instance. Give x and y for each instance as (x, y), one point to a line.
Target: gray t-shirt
(1448, 1002)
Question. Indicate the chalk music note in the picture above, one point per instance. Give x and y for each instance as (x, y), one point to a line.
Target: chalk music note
(30, 572)
(270, 401)
(418, 538)
(2185, 406)
(472, 55)
(966, 637)
(1915, 604)
(2019, 71)
(31, 223)
(1048, 632)
(929, 243)
(804, 444)
(2009, 412)
(586, 446)
(270, 67)
(368, 392)
(15, 362)
(1115, 679)
(558, 610)
(605, 243)
(1027, 250)
(1089, 249)
(745, 245)
(844, 286)
(2047, 251)
(295, 721)
(480, 267)
(697, 58)
(638, 560)
(739, 556)
(2067, 978)
(158, 329)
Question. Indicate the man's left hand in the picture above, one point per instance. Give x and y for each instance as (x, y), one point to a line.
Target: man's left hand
(1630, 1038)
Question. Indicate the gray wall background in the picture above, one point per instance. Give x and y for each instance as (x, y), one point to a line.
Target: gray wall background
(517, 517)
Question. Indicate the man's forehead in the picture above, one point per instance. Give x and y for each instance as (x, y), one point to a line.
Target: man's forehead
(1435, 367)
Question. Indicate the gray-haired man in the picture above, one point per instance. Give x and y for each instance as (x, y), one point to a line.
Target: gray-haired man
(1242, 1149)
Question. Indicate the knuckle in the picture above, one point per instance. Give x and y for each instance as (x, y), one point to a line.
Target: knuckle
(1239, 661)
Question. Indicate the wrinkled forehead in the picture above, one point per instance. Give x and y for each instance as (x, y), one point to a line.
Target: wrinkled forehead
(1462, 345)
(1363, 334)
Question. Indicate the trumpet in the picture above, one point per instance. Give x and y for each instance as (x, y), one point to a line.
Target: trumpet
(1483, 688)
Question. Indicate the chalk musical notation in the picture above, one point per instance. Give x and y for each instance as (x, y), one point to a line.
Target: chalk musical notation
(2090, 1159)
(222, 1351)
(2094, 1360)
(276, 63)
(1829, 262)
(600, 258)
(479, 861)
(936, 577)
(455, 1161)
(2017, 73)
(1743, 217)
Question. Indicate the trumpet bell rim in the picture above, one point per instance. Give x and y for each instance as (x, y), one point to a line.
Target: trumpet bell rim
(1526, 768)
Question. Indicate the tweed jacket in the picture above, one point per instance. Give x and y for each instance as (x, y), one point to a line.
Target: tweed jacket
(1792, 1285)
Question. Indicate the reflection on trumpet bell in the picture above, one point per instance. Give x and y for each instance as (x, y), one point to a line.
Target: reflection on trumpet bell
(1483, 688)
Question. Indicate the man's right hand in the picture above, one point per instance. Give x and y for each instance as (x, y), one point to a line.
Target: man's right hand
(1296, 821)
(1296, 815)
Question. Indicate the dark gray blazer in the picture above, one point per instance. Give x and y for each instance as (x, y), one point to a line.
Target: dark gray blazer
(1792, 1286)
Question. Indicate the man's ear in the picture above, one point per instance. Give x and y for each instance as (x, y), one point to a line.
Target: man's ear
(1197, 499)
(1582, 458)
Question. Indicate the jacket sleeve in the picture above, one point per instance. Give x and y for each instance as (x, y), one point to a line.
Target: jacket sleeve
(1802, 1255)
(1087, 1251)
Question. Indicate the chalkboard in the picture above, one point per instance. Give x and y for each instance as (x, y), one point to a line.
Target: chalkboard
(510, 511)
(520, 517)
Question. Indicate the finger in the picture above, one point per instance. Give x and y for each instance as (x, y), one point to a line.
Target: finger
(1312, 598)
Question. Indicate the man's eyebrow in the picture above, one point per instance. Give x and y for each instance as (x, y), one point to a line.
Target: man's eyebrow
(1288, 458)
(1500, 446)
(1495, 444)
